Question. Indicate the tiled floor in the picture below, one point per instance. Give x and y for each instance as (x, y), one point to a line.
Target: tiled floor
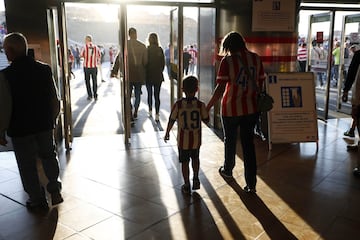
(113, 191)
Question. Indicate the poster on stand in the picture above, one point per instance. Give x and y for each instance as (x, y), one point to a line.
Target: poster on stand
(293, 117)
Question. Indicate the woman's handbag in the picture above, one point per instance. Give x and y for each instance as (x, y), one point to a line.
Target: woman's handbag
(264, 102)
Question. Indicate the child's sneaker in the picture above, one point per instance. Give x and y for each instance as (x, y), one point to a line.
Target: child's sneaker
(196, 184)
(185, 189)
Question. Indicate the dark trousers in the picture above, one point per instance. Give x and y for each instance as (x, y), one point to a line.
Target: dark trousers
(245, 125)
(302, 66)
(27, 150)
(136, 86)
(91, 72)
(157, 87)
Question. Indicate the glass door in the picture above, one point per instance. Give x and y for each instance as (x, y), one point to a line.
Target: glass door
(174, 55)
(58, 37)
(206, 52)
(350, 40)
(124, 76)
(320, 52)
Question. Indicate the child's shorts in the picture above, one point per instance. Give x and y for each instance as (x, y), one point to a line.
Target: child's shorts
(185, 155)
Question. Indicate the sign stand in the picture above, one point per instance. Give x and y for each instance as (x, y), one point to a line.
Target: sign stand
(293, 117)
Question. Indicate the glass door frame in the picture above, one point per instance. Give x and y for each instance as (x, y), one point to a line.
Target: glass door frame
(319, 18)
(332, 10)
(59, 50)
(126, 93)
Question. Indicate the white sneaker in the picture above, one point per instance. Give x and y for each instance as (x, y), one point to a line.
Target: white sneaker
(157, 117)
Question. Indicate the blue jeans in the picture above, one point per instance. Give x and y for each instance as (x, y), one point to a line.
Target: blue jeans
(230, 127)
(91, 72)
(157, 88)
(27, 150)
(137, 91)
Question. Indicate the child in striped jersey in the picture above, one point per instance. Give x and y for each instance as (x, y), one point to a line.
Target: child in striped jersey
(188, 112)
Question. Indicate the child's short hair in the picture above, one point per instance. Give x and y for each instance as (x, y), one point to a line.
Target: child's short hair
(190, 84)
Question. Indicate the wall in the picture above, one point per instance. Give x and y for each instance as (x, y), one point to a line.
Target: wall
(29, 18)
(277, 49)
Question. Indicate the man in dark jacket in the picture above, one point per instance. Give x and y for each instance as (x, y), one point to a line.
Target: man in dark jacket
(35, 108)
(353, 78)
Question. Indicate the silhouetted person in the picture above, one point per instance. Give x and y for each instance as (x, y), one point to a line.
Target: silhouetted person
(92, 57)
(35, 108)
(186, 60)
(137, 60)
(188, 112)
(154, 72)
(353, 77)
(238, 91)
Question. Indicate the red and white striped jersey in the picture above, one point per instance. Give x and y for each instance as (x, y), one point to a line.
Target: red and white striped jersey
(189, 113)
(91, 54)
(193, 54)
(302, 54)
(240, 93)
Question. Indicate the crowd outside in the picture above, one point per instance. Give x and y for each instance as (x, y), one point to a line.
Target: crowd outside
(347, 57)
(102, 58)
(186, 60)
(193, 60)
(353, 82)
(71, 61)
(237, 88)
(188, 112)
(112, 54)
(91, 55)
(335, 64)
(137, 60)
(154, 73)
(318, 54)
(33, 93)
(76, 53)
(167, 60)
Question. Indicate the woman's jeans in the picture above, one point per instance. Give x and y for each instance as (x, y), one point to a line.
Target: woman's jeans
(246, 124)
(137, 91)
(157, 87)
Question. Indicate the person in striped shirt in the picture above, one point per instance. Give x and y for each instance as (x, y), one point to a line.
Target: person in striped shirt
(188, 112)
(91, 55)
(240, 78)
(302, 57)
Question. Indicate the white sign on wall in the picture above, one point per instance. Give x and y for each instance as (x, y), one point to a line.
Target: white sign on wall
(293, 117)
(273, 15)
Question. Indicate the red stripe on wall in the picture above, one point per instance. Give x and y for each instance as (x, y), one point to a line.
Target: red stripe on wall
(271, 40)
(278, 58)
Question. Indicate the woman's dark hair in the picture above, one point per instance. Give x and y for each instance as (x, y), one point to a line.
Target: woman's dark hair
(232, 42)
(153, 39)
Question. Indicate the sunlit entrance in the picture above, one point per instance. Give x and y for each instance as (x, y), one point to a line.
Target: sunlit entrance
(178, 29)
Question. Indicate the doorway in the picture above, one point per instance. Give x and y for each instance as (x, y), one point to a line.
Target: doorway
(324, 30)
(108, 24)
